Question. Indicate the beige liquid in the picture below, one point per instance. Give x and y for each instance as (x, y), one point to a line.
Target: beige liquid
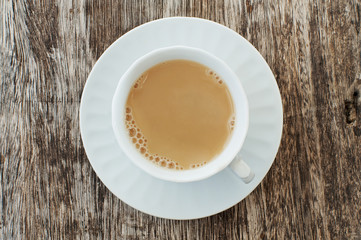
(180, 114)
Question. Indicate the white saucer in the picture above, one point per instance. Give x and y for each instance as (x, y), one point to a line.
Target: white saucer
(180, 200)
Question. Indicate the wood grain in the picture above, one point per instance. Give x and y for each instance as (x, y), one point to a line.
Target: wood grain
(48, 188)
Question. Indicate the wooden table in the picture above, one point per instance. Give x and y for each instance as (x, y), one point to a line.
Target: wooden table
(48, 188)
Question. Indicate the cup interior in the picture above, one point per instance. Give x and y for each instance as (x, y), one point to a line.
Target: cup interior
(229, 78)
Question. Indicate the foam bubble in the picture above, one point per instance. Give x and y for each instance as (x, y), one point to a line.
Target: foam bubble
(210, 72)
(232, 123)
(132, 132)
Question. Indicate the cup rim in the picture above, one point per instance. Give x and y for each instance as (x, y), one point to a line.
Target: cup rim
(236, 90)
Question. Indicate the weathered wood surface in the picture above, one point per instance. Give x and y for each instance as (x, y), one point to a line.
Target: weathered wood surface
(48, 188)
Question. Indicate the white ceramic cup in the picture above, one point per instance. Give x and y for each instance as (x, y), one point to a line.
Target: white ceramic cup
(228, 157)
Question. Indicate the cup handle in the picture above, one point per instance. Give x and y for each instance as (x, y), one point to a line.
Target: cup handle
(242, 170)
